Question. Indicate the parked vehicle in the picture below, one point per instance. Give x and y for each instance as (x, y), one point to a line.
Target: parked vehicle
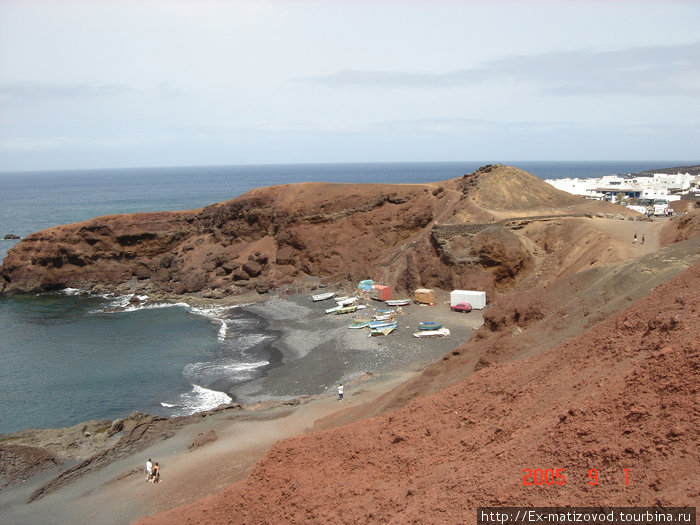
(461, 307)
(660, 207)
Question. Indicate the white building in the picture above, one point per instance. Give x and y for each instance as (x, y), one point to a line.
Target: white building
(660, 186)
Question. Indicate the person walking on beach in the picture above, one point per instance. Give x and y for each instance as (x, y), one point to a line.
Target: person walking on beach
(642, 238)
(155, 474)
(340, 392)
(149, 469)
(635, 238)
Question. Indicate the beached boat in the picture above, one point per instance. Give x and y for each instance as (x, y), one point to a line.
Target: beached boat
(359, 323)
(398, 302)
(385, 330)
(333, 310)
(381, 324)
(442, 332)
(322, 296)
(346, 301)
(429, 325)
(384, 317)
(386, 311)
(346, 309)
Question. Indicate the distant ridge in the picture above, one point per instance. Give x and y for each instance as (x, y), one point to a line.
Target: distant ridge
(692, 170)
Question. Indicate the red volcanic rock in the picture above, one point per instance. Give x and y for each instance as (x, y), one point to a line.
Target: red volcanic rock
(621, 399)
(449, 234)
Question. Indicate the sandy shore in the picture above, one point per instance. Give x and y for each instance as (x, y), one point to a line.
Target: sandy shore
(318, 352)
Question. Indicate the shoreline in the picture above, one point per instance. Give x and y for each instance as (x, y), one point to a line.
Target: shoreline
(318, 351)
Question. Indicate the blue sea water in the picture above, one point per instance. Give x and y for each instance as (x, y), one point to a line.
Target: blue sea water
(68, 357)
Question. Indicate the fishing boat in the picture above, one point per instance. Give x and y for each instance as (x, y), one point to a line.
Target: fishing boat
(346, 309)
(442, 332)
(333, 310)
(384, 317)
(429, 325)
(386, 311)
(385, 330)
(359, 323)
(398, 302)
(322, 296)
(346, 301)
(381, 324)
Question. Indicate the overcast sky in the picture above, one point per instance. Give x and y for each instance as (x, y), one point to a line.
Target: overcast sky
(100, 84)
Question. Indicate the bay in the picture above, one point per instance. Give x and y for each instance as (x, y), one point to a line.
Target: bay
(68, 358)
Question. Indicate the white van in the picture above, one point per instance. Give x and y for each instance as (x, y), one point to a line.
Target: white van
(660, 208)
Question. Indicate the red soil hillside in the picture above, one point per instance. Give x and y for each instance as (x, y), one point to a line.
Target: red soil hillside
(622, 396)
(491, 230)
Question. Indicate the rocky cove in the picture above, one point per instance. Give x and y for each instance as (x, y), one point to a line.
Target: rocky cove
(564, 281)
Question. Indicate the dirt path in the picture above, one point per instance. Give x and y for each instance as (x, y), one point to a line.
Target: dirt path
(624, 232)
(119, 494)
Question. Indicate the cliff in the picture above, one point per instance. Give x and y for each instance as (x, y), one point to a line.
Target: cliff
(487, 230)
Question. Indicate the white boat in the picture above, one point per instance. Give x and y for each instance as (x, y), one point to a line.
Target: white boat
(442, 332)
(346, 301)
(398, 302)
(322, 296)
(342, 309)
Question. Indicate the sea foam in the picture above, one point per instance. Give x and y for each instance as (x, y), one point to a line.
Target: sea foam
(199, 399)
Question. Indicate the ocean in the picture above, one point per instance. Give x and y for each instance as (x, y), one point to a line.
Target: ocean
(68, 357)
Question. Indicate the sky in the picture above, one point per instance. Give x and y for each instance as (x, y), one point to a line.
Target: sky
(110, 84)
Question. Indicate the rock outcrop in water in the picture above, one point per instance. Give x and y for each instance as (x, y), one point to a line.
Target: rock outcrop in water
(479, 232)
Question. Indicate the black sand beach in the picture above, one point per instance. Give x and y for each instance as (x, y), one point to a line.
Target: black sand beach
(317, 352)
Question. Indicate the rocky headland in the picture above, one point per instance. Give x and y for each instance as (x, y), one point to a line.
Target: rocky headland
(491, 230)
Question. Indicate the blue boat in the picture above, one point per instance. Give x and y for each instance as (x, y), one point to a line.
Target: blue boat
(384, 330)
(382, 324)
(429, 325)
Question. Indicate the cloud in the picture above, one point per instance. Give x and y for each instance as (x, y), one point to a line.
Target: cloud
(650, 70)
(30, 92)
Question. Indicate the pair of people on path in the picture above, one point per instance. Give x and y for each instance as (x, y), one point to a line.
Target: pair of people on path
(152, 471)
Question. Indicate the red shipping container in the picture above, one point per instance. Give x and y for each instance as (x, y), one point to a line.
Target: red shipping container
(381, 292)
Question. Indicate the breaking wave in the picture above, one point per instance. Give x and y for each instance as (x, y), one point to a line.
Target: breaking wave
(223, 370)
(199, 399)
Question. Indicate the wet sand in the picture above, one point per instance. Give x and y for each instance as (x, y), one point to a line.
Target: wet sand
(318, 352)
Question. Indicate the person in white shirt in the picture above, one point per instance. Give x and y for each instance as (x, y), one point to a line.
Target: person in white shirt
(149, 469)
(340, 392)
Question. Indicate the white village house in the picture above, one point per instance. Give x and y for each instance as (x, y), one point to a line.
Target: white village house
(659, 187)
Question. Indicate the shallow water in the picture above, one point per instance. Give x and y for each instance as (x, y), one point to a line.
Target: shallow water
(68, 359)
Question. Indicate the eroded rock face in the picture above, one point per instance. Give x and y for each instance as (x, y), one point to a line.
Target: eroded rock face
(407, 235)
(20, 462)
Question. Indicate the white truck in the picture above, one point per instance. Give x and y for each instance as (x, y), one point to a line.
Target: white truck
(660, 207)
(475, 298)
